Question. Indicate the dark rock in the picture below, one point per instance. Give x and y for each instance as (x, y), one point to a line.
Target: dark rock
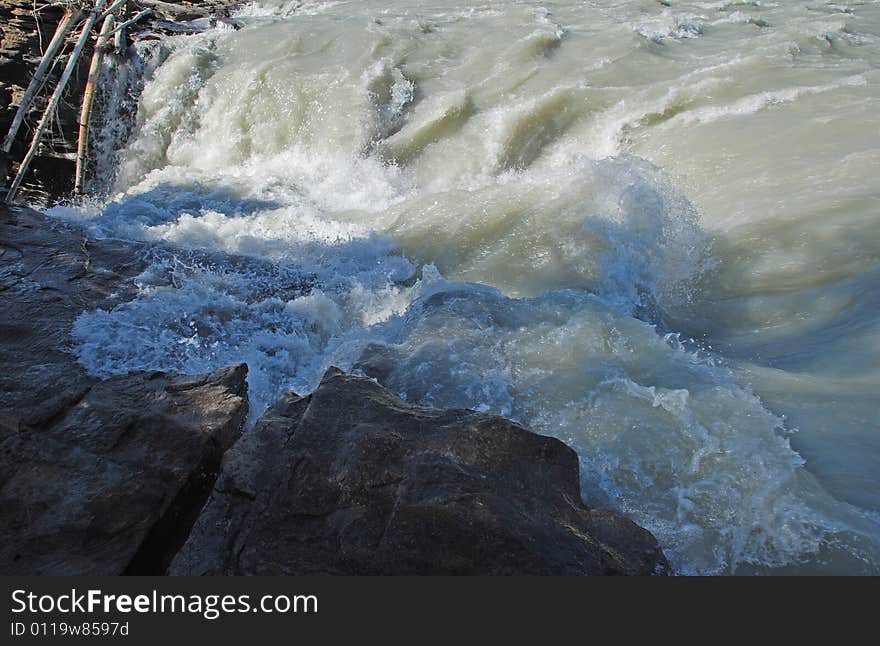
(352, 480)
(111, 482)
(49, 274)
(96, 477)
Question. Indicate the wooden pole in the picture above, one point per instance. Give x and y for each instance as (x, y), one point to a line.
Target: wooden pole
(88, 99)
(55, 99)
(69, 19)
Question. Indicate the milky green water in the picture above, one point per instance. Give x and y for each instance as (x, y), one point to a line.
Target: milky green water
(648, 230)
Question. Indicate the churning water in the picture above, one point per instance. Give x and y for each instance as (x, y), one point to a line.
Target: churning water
(651, 231)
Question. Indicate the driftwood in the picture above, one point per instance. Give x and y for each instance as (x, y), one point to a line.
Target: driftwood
(68, 21)
(128, 23)
(119, 40)
(171, 9)
(88, 99)
(160, 28)
(184, 19)
(55, 99)
(185, 27)
(113, 7)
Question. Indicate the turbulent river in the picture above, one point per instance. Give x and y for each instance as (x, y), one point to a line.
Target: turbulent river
(650, 229)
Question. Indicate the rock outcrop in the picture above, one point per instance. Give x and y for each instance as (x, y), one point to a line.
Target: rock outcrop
(49, 274)
(112, 482)
(96, 477)
(353, 480)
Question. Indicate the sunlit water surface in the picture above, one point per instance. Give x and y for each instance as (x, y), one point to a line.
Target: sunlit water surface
(650, 231)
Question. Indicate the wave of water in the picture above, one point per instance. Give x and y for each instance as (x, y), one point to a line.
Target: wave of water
(586, 218)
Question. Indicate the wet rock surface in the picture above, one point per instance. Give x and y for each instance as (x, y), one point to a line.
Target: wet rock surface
(112, 481)
(96, 477)
(353, 480)
(49, 274)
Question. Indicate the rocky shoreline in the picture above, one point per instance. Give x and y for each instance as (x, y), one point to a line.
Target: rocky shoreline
(151, 473)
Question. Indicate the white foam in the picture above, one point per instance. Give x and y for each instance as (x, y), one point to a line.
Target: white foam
(441, 197)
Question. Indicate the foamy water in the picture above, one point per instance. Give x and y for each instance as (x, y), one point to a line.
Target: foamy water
(649, 231)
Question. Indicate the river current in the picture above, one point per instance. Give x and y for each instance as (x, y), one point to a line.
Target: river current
(650, 229)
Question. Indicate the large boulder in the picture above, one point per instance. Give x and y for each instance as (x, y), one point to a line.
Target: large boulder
(353, 480)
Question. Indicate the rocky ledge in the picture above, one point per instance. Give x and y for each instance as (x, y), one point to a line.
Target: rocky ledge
(139, 471)
(96, 477)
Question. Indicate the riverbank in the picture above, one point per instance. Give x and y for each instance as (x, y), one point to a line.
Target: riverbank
(26, 28)
(110, 476)
(619, 227)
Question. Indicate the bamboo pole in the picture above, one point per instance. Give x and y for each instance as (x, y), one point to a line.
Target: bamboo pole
(88, 99)
(55, 99)
(69, 19)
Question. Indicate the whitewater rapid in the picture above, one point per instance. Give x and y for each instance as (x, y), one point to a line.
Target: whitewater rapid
(650, 231)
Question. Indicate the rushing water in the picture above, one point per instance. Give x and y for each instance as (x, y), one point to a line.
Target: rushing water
(651, 231)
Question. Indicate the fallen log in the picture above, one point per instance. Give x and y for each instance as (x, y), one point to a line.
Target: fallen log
(68, 21)
(55, 99)
(119, 41)
(177, 11)
(112, 8)
(130, 22)
(160, 28)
